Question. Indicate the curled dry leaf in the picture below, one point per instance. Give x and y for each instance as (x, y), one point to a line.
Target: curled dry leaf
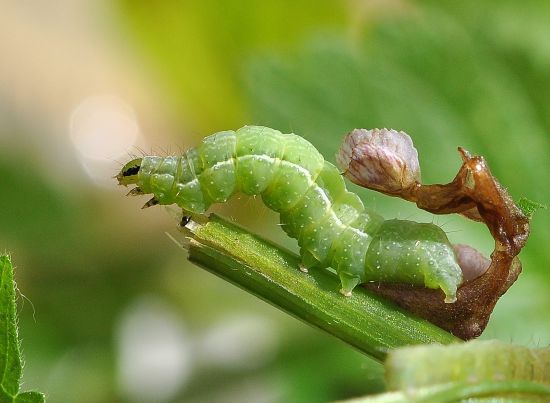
(475, 194)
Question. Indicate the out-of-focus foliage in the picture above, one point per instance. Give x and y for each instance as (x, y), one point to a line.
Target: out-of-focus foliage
(199, 47)
(469, 73)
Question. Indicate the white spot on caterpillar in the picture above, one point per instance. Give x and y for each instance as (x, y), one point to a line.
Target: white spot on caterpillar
(222, 164)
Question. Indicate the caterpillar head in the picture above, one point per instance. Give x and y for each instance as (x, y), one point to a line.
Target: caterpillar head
(128, 175)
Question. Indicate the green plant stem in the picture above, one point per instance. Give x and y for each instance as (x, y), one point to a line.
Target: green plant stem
(365, 321)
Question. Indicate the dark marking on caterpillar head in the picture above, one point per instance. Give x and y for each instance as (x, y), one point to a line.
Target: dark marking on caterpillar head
(184, 220)
(128, 175)
(131, 171)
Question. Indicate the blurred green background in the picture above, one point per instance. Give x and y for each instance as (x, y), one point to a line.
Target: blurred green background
(109, 308)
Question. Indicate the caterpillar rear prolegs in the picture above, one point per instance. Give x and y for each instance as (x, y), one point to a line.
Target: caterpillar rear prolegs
(331, 224)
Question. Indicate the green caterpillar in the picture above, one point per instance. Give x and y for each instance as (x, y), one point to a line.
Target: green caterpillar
(331, 224)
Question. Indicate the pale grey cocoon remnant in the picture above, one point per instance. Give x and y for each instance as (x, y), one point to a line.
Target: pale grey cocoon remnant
(382, 159)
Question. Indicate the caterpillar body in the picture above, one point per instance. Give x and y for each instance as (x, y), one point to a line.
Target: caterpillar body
(331, 224)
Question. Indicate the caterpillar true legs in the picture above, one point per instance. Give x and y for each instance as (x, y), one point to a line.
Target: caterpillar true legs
(331, 224)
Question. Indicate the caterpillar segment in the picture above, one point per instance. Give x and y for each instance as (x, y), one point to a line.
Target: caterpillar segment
(331, 224)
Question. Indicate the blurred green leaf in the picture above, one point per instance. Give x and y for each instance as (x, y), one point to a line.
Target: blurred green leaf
(10, 356)
(198, 47)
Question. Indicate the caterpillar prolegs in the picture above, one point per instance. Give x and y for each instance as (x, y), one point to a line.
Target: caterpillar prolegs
(332, 226)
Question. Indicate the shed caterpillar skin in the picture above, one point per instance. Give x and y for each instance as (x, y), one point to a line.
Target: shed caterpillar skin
(331, 224)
